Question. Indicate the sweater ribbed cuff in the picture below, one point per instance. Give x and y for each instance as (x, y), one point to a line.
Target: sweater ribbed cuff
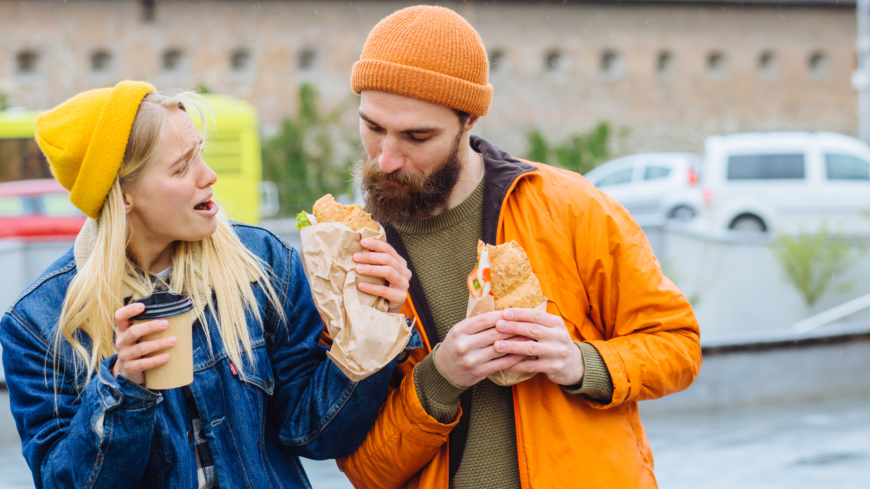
(596, 382)
(438, 395)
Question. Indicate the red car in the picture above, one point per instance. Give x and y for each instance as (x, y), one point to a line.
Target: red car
(38, 209)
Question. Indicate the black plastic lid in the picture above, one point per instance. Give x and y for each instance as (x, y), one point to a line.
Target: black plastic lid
(162, 305)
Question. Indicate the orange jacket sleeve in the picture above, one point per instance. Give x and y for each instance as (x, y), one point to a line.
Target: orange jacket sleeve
(404, 438)
(650, 335)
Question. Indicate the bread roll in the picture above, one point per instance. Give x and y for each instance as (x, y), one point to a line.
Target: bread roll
(514, 284)
(326, 209)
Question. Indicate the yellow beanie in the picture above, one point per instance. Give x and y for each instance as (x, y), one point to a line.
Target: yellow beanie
(84, 140)
(428, 53)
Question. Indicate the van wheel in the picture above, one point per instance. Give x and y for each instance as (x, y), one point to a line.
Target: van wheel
(748, 223)
(682, 213)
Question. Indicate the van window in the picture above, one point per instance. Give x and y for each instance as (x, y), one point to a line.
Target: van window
(11, 206)
(845, 167)
(656, 172)
(21, 159)
(58, 205)
(766, 167)
(616, 178)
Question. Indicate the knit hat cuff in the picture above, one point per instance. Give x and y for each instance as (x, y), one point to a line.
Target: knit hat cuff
(107, 146)
(446, 90)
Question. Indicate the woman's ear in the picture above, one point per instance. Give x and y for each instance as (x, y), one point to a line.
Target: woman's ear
(128, 201)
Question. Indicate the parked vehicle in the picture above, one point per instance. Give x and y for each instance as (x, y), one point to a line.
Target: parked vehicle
(786, 182)
(37, 209)
(653, 187)
(233, 152)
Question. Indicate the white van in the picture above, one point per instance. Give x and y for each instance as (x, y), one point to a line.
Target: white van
(786, 182)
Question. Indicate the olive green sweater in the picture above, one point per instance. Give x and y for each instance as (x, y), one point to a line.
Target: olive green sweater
(483, 447)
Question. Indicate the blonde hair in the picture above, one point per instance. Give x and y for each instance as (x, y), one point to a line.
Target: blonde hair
(219, 263)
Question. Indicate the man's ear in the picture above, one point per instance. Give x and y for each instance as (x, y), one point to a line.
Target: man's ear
(471, 122)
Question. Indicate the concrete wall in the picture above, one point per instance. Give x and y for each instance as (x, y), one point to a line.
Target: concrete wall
(737, 285)
(787, 373)
(672, 109)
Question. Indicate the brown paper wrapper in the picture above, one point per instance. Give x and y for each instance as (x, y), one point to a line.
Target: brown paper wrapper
(178, 370)
(365, 337)
(487, 304)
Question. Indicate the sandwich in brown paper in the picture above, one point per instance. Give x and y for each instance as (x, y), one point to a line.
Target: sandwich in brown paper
(365, 336)
(503, 279)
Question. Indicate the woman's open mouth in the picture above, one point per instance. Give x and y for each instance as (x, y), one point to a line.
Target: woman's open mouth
(207, 208)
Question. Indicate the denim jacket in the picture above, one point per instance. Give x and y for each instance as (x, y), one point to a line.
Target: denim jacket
(291, 402)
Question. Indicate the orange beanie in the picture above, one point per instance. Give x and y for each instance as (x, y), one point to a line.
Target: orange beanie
(428, 53)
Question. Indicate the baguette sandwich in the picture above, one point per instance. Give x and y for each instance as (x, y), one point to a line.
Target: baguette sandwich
(504, 271)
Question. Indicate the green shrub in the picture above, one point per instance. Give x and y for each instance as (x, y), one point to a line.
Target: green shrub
(812, 261)
(580, 153)
(302, 158)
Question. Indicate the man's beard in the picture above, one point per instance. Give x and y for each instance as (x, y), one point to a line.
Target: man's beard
(416, 197)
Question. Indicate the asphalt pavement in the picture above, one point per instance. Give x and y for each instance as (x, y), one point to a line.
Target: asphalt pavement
(801, 446)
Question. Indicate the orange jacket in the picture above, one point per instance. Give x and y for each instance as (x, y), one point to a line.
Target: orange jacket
(600, 275)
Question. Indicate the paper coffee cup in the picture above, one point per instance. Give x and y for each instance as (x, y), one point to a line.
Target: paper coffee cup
(178, 310)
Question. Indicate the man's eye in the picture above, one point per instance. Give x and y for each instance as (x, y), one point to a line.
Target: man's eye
(375, 128)
(416, 139)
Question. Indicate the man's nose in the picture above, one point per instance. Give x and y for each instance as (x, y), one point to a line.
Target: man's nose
(391, 159)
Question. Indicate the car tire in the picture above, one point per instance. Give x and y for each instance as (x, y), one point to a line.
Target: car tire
(748, 223)
(682, 213)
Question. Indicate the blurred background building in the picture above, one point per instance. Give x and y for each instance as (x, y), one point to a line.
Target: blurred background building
(662, 74)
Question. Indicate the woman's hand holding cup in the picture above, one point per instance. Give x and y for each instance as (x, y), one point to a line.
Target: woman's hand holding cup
(131, 360)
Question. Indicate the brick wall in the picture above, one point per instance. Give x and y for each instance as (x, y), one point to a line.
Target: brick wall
(562, 67)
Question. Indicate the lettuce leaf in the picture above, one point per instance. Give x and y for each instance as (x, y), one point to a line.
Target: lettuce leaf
(302, 220)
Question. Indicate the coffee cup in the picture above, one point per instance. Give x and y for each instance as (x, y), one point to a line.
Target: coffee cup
(178, 310)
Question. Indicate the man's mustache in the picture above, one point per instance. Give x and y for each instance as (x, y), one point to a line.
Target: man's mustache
(372, 173)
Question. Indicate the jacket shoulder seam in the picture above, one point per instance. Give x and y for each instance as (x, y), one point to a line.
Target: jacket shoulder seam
(258, 228)
(24, 323)
(41, 281)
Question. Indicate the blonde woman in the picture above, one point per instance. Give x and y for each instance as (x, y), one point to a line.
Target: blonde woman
(264, 392)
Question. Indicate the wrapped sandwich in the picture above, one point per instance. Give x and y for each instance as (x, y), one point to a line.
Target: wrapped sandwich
(503, 278)
(365, 336)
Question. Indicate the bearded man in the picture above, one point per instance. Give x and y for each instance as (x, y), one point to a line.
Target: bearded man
(615, 332)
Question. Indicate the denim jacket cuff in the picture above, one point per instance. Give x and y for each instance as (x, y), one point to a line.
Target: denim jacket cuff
(115, 391)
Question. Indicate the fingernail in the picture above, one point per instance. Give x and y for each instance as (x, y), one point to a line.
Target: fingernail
(508, 314)
(363, 286)
(501, 325)
(172, 341)
(357, 256)
(499, 345)
(166, 356)
(164, 324)
(362, 268)
(364, 242)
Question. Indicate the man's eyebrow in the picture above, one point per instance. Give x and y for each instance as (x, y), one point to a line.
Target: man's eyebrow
(415, 130)
(366, 118)
(187, 154)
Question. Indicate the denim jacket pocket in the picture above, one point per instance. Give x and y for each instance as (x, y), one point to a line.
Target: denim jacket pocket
(260, 374)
